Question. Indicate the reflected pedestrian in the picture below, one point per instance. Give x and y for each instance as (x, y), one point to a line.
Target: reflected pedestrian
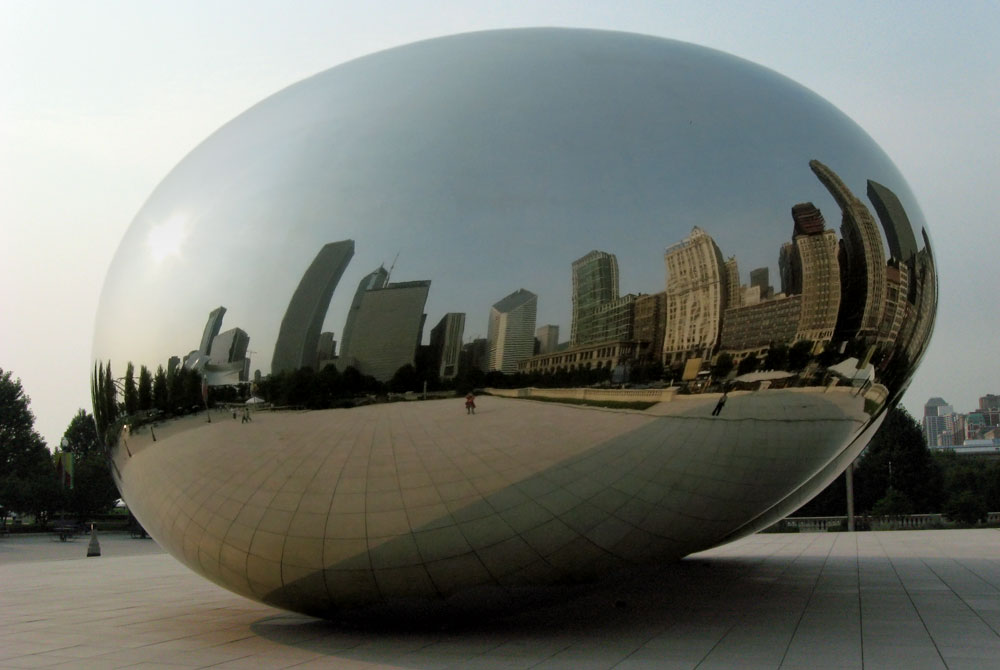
(719, 405)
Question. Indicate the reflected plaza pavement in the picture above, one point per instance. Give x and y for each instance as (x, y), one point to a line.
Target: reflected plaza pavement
(918, 599)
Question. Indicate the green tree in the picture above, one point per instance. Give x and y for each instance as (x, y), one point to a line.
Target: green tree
(799, 355)
(777, 357)
(894, 502)
(161, 401)
(94, 490)
(405, 379)
(898, 457)
(28, 480)
(967, 507)
(145, 391)
(80, 438)
(130, 393)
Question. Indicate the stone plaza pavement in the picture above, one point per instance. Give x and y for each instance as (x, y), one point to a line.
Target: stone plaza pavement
(917, 599)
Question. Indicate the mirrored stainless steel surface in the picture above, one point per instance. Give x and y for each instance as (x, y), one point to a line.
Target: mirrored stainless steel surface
(682, 289)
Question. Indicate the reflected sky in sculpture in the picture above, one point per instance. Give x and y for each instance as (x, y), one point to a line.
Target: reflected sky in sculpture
(656, 202)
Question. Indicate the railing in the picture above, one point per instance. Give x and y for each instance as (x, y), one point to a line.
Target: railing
(819, 524)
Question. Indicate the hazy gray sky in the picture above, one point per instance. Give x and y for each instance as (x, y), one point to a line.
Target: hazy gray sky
(99, 100)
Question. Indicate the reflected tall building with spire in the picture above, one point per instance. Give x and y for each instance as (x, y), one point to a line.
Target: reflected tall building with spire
(298, 337)
(386, 329)
(371, 281)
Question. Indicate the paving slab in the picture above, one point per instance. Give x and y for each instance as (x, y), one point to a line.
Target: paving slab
(913, 599)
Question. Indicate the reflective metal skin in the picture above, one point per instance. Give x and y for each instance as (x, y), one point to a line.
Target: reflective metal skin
(564, 218)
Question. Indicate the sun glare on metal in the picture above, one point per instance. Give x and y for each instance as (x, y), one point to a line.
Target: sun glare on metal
(166, 239)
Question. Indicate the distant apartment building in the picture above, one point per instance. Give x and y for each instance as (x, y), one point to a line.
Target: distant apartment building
(511, 333)
(938, 423)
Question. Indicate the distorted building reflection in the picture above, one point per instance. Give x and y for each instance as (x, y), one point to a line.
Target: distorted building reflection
(511, 334)
(298, 337)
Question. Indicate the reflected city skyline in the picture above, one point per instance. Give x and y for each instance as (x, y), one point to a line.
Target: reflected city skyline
(626, 249)
(854, 293)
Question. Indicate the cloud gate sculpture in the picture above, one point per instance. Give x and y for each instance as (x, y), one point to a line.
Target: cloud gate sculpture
(682, 289)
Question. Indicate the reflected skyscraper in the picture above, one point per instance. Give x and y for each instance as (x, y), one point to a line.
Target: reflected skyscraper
(212, 328)
(298, 337)
(511, 334)
(548, 338)
(733, 292)
(387, 327)
(696, 295)
(898, 231)
(595, 284)
(761, 278)
(230, 346)
(326, 350)
(374, 280)
(446, 343)
(864, 292)
(814, 272)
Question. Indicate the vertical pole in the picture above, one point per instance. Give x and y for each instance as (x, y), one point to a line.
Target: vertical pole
(849, 476)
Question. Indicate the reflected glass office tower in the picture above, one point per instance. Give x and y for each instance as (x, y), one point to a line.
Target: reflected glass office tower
(511, 334)
(303, 320)
(595, 283)
(695, 297)
(386, 330)
(446, 343)
(371, 281)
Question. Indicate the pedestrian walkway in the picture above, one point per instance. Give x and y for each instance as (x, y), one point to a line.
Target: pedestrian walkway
(916, 599)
